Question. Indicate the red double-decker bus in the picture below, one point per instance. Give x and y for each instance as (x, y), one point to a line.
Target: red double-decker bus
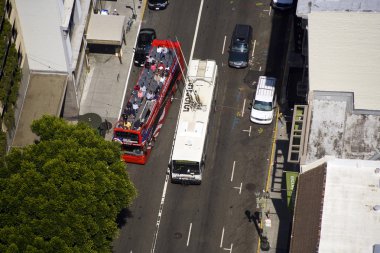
(148, 103)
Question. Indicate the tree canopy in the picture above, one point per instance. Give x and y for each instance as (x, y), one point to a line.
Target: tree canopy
(62, 194)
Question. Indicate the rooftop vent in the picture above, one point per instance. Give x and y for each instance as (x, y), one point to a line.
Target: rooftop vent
(377, 171)
(377, 209)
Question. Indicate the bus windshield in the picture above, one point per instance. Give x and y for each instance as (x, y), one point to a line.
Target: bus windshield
(186, 167)
(132, 150)
(127, 137)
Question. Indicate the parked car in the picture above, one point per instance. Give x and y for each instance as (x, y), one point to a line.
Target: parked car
(282, 4)
(240, 46)
(157, 4)
(144, 41)
(264, 101)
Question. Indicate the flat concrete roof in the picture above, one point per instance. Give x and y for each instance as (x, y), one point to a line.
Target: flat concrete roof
(304, 7)
(349, 221)
(105, 29)
(40, 23)
(335, 129)
(347, 61)
(44, 96)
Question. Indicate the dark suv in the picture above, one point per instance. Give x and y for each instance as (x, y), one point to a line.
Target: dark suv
(144, 41)
(157, 4)
(240, 46)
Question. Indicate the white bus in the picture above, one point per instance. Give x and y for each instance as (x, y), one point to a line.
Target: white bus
(187, 158)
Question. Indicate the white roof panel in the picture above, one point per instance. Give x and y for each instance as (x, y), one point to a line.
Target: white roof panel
(348, 61)
(349, 221)
(304, 7)
(40, 23)
(192, 123)
(105, 29)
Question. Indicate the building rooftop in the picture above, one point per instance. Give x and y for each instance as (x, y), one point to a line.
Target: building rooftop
(41, 30)
(338, 130)
(349, 221)
(348, 61)
(44, 96)
(308, 210)
(304, 7)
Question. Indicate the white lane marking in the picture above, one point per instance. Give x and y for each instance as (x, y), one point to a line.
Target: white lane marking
(230, 250)
(233, 170)
(270, 10)
(221, 239)
(249, 131)
(260, 68)
(241, 184)
(196, 30)
(254, 46)
(129, 74)
(160, 214)
(242, 111)
(224, 43)
(188, 236)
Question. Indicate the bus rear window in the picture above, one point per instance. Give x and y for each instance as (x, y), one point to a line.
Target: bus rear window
(185, 167)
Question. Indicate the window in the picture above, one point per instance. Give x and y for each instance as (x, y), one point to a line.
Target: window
(8, 8)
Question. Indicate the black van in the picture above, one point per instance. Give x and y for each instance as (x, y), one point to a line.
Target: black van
(240, 46)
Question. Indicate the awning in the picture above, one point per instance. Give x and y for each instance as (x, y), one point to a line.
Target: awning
(105, 29)
(291, 180)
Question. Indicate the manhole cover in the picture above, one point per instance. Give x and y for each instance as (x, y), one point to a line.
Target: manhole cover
(250, 187)
(178, 235)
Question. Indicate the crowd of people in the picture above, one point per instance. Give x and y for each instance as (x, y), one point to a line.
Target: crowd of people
(148, 88)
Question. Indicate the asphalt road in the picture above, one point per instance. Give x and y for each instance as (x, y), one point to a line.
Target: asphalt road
(210, 217)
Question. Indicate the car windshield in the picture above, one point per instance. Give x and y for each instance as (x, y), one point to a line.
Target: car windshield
(157, 1)
(132, 150)
(262, 106)
(240, 47)
(144, 39)
(186, 167)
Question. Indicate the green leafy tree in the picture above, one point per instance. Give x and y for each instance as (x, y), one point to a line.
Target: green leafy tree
(62, 194)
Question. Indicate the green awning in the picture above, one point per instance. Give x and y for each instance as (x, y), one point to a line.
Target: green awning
(291, 181)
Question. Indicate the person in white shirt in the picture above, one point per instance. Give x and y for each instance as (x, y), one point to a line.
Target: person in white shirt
(150, 95)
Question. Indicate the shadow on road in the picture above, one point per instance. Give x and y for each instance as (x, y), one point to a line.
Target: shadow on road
(123, 216)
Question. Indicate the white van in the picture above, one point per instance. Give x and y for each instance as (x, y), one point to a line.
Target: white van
(263, 103)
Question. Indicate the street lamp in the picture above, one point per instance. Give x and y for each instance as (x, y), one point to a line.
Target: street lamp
(261, 202)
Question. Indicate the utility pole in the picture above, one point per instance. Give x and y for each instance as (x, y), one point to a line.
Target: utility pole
(261, 202)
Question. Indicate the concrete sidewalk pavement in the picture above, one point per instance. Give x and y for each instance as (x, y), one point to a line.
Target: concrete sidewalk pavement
(278, 228)
(108, 76)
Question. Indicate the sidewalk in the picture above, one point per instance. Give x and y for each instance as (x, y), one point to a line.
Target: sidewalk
(279, 215)
(107, 80)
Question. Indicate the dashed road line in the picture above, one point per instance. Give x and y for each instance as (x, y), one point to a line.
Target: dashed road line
(242, 110)
(188, 236)
(224, 43)
(233, 170)
(254, 46)
(221, 239)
